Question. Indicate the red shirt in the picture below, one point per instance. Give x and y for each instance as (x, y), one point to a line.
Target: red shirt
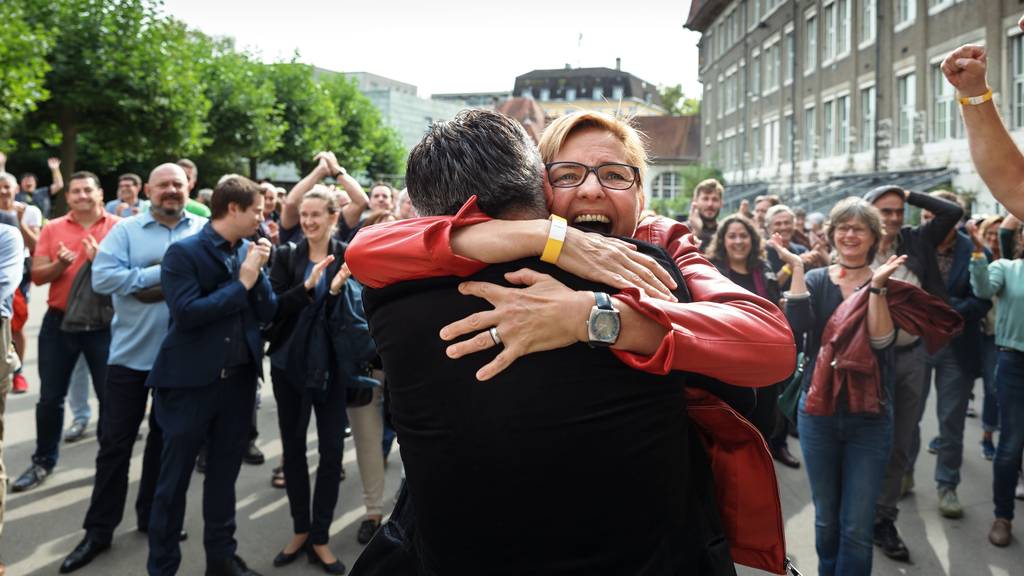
(65, 230)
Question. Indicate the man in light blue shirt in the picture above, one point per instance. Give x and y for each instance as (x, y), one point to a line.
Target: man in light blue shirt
(127, 203)
(127, 266)
(12, 265)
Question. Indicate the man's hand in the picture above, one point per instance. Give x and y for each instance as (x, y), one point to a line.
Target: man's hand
(65, 256)
(965, 70)
(53, 163)
(91, 246)
(3, 162)
(695, 222)
(249, 272)
(19, 210)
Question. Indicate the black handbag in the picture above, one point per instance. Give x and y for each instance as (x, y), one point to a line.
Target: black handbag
(789, 399)
(86, 310)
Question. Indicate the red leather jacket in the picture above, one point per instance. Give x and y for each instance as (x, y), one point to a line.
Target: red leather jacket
(846, 359)
(726, 333)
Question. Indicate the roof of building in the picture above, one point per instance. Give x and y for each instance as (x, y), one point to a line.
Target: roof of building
(527, 112)
(583, 81)
(671, 137)
(702, 12)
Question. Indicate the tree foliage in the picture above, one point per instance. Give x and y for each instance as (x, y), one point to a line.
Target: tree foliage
(23, 49)
(673, 98)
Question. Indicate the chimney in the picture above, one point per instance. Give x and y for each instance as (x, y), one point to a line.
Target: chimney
(618, 64)
(568, 66)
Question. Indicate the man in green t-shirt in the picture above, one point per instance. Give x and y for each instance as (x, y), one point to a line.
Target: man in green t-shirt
(194, 206)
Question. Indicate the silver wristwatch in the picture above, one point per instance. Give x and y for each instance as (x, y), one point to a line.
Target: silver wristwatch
(603, 325)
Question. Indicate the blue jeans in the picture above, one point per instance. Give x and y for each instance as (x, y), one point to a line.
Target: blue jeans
(78, 392)
(58, 352)
(846, 456)
(990, 406)
(1010, 385)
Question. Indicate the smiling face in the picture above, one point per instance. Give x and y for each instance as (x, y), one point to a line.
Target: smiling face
(853, 240)
(708, 204)
(737, 242)
(891, 208)
(83, 195)
(783, 224)
(8, 188)
(380, 198)
(246, 221)
(127, 191)
(592, 206)
(315, 219)
(168, 190)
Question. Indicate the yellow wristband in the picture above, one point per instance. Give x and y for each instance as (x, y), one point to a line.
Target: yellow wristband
(786, 270)
(975, 100)
(556, 238)
(977, 255)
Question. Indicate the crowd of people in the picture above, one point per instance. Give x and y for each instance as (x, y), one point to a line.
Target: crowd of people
(520, 323)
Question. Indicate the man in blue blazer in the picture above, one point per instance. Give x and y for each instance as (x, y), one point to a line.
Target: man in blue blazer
(205, 373)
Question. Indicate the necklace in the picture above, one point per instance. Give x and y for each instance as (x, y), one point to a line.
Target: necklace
(844, 267)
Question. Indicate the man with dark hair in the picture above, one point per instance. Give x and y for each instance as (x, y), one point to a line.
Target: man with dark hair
(919, 243)
(205, 373)
(127, 267)
(64, 245)
(537, 437)
(707, 205)
(40, 197)
(192, 172)
(127, 203)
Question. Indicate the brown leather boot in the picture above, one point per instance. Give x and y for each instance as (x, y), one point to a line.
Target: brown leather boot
(1000, 534)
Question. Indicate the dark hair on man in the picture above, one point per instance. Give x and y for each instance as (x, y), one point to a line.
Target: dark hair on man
(478, 152)
(29, 175)
(134, 178)
(187, 164)
(237, 190)
(82, 175)
(391, 189)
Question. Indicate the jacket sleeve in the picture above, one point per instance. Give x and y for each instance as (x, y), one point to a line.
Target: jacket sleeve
(412, 249)
(986, 279)
(190, 309)
(725, 332)
(947, 215)
(264, 299)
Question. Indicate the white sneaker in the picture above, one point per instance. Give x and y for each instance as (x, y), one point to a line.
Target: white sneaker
(1019, 493)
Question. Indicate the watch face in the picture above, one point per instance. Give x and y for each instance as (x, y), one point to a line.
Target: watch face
(604, 326)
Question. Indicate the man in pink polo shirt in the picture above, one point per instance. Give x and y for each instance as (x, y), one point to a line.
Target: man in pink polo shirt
(64, 245)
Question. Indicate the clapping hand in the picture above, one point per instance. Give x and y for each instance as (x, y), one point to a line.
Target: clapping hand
(785, 255)
(65, 256)
(91, 246)
(886, 270)
(339, 279)
(255, 258)
(317, 272)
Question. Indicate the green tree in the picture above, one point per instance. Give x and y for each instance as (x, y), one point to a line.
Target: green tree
(676, 102)
(310, 113)
(365, 142)
(245, 121)
(23, 49)
(123, 86)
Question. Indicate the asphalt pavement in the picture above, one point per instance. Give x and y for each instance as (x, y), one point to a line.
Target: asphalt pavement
(42, 526)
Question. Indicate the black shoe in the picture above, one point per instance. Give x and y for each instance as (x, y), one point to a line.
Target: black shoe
(83, 554)
(888, 539)
(782, 455)
(201, 461)
(337, 567)
(367, 529)
(234, 566)
(34, 476)
(253, 455)
(144, 529)
(283, 558)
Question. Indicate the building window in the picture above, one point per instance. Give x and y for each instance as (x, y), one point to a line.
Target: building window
(829, 134)
(772, 67)
(811, 44)
(787, 137)
(810, 132)
(545, 94)
(771, 142)
(829, 22)
(1016, 81)
(842, 28)
(665, 185)
(755, 145)
(570, 93)
(945, 117)
(867, 119)
(598, 93)
(528, 93)
(755, 75)
(617, 92)
(906, 11)
(789, 43)
(867, 21)
(843, 124)
(906, 95)
(754, 12)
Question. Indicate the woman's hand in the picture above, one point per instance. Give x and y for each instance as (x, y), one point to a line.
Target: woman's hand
(972, 231)
(785, 255)
(545, 315)
(614, 262)
(884, 271)
(317, 272)
(339, 279)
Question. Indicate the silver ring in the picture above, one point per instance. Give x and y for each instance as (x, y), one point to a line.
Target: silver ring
(495, 336)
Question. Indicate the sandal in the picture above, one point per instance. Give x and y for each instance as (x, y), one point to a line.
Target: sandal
(277, 477)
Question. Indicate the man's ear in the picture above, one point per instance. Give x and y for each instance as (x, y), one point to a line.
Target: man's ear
(549, 194)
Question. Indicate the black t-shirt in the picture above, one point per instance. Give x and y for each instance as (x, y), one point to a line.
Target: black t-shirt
(568, 462)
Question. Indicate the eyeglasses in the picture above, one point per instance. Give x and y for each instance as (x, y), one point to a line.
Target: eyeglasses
(611, 175)
(844, 229)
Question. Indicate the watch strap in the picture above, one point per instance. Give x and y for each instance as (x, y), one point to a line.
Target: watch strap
(603, 301)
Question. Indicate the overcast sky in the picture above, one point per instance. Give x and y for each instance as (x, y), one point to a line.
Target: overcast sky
(459, 45)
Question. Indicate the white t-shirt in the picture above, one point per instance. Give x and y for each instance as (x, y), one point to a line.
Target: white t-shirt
(32, 217)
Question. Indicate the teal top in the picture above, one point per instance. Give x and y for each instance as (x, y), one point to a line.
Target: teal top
(1003, 279)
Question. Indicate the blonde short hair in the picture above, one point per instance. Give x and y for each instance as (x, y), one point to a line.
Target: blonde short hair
(561, 128)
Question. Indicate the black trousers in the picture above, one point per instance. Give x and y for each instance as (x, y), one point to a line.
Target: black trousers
(330, 428)
(124, 407)
(189, 417)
